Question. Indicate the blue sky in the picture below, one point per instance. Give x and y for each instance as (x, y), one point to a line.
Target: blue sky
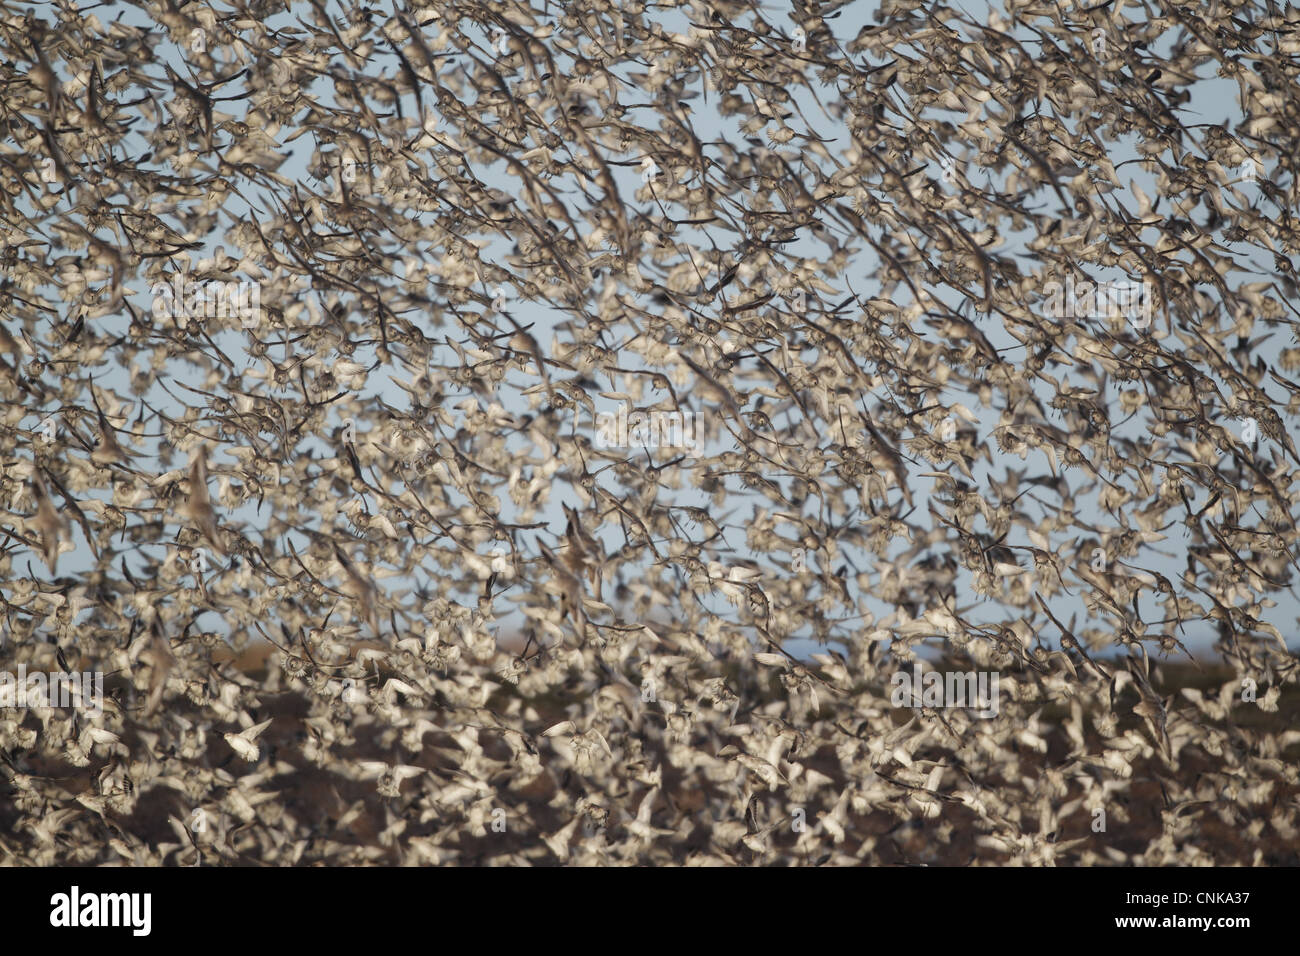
(1214, 100)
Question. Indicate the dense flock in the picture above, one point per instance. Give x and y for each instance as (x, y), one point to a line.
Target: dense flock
(468, 433)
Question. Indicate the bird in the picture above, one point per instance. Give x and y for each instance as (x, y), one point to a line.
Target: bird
(244, 743)
(983, 323)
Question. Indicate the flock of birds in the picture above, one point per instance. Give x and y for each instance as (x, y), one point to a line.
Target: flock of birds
(362, 585)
